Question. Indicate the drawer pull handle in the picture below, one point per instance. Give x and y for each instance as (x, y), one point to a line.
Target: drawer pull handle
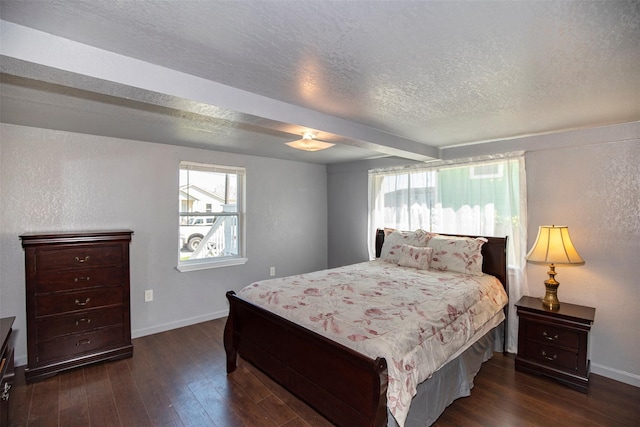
(549, 337)
(81, 303)
(87, 321)
(5, 391)
(82, 342)
(82, 278)
(551, 358)
(85, 259)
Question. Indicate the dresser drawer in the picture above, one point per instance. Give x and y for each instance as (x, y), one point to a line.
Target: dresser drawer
(553, 335)
(52, 280)
(79, 257)
(55, 326)
(551, 356)
(58, 303)
(73, 345)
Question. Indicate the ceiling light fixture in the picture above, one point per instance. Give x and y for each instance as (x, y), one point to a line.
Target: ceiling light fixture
(309, 143)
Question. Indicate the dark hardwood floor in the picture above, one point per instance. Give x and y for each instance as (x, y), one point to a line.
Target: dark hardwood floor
(177, 378)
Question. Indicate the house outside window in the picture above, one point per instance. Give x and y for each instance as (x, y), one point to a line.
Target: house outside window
(211, 216)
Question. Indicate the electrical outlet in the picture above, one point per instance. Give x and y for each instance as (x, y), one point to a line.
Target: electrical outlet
(148, 295)
(272, 271)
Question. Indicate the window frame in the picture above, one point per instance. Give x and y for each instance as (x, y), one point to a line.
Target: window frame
(240, 215)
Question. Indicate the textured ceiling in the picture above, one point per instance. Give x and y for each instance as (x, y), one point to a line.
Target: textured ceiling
(380, 78)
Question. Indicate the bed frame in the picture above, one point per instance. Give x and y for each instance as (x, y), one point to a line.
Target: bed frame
(346, 387)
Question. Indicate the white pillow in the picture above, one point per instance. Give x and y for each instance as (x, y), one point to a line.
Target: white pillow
(393, 242)
(458, 254)
(415, 257)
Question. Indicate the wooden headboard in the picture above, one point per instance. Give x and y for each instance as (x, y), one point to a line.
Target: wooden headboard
(494, 255)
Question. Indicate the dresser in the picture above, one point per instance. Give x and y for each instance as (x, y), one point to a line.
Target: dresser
(555, 343)
(78, 304)
(6, 368)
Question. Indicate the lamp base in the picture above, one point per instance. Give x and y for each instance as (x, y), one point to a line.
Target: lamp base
(550, 300)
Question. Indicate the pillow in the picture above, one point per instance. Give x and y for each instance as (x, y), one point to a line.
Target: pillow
(393, 242)
(415, 257)
(458, 254)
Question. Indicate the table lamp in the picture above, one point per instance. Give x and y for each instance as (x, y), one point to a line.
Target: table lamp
(553, 246)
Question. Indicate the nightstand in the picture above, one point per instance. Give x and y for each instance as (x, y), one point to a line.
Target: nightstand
(6, 367)
(555, 342)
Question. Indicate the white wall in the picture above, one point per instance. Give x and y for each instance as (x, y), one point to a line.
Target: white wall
(588, 180)
(52, 181)
(348, 235)
(595, 191)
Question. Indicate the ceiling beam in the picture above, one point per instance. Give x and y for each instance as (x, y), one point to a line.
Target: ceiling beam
(41, 56)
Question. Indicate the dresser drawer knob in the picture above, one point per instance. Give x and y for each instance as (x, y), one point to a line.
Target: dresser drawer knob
(83, 320)
(82, 342)
(85, 259)
(551, 358)
(549, 337)
(81, 303)
(77, 279)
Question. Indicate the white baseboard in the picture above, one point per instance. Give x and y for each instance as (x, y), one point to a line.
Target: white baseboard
(178, 324)
(616, 374)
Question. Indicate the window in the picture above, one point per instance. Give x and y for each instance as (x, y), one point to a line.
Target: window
(211, 213)
(460, 199)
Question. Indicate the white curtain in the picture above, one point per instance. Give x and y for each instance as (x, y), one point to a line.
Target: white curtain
(478, 196)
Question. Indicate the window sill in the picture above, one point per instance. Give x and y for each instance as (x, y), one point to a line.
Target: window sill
(209, 263)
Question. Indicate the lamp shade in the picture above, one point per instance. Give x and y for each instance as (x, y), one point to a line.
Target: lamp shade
(553, 246)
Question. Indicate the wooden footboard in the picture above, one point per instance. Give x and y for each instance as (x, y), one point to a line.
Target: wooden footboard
(346, 387)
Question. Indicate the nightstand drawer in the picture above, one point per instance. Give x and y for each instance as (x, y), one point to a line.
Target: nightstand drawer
(74, 345)
(79, 257)
(75, 301)
(52, 327)
(553, 335)
(49, 281)
(551, 356)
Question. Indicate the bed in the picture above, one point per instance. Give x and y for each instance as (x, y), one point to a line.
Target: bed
(338, 372)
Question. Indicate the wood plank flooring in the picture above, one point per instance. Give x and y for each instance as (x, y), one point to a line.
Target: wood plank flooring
(177, 378)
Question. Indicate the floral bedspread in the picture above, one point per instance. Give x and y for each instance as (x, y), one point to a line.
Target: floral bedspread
(415, 319)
